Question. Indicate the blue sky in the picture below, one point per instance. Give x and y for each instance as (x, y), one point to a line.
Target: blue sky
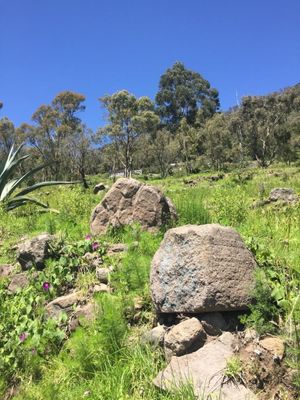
(97, 47)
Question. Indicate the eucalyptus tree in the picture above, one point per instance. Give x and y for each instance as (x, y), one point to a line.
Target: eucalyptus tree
(128, 118)
(52, 130)
(184, 93)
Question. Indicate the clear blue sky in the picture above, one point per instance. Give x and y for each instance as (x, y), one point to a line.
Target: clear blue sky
(97, 47)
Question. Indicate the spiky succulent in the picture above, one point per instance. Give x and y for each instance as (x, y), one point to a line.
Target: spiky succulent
(8, 185)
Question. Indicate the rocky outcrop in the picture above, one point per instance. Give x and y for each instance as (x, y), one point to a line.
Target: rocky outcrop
(33, 252)
(202, 268)
(130, 201)
(204, 369)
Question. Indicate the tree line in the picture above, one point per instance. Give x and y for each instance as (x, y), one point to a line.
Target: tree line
(182, 126)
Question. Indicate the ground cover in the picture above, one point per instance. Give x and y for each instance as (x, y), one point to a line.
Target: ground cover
(105, 360)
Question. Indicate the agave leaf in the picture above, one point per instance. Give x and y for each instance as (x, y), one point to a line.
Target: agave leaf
(7, 189)
(8, 170)
(43, 184)
(18, 182)
(21, 200)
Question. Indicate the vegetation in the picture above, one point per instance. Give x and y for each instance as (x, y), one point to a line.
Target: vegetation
(212, 164)
(112, 363)
(8, 199)
(182, 128)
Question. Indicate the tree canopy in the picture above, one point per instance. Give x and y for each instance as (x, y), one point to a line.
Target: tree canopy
(182, 94)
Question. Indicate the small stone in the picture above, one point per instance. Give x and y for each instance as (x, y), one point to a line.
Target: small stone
(116, 249)
(283, 194)
(18, 282)
(98, 188)
(92, 259)
(102, 274)
(155, 336)
(213, 323)
(183, 338)
(273, 345)
(65, 304)
(33, 252)
(102, 288)
(6, 270)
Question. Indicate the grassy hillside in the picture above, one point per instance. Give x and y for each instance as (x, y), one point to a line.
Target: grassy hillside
(105, 359)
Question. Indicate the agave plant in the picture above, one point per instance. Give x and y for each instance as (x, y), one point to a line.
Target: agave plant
(8, 186)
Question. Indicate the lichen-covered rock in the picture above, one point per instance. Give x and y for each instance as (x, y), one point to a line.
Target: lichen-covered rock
(204, 268)
(130, 201)
(184, 338)
(33, 252)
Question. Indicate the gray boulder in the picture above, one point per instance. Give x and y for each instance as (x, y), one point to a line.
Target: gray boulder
(283, 194)
(204, 268)
(184, 338)
(33, 252)
(205, 370)
(130, 201)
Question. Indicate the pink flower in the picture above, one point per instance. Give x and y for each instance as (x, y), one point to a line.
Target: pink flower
(88, 237)
(95, 246)
(46, 286)
(22, 337)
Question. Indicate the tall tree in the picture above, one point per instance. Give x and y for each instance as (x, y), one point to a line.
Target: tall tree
(182, 94)
(7, 136)
(128, 118)
(218, 141)
(53, 128)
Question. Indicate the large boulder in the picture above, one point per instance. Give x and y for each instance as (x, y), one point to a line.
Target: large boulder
(202, 268)
(204, 370)
(130, 201)
(33, 252)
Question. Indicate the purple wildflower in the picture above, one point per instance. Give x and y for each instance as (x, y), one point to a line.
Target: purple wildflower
(88, 237)
(22, 337)
(95, 246)
(46, 286)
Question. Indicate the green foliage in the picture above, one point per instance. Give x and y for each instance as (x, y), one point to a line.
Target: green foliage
(27, 335)
(181, 94)
(233, 369)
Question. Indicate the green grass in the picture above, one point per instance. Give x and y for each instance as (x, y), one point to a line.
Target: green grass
(104, 365)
